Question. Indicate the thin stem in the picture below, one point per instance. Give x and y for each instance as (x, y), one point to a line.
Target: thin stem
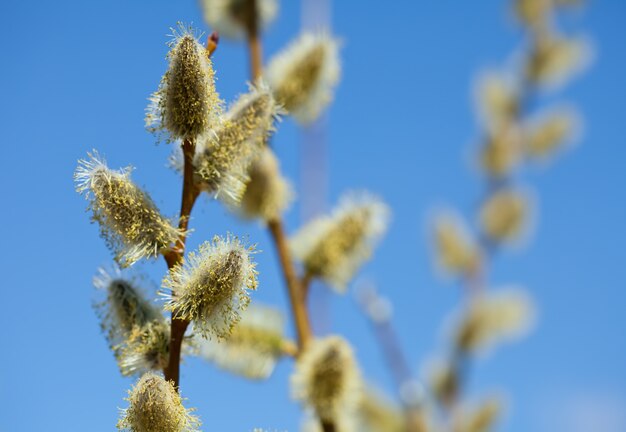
(255, 49)
(294, 287)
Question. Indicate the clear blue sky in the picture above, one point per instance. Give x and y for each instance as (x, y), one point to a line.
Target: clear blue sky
(75, 75)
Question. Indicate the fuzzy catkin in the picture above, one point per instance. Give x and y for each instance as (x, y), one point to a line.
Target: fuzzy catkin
(186, 105)
(253, 347)
(211, 287)
(155, 405)
(334, 247)
(304, 75)
(129, 220)
(326, 378)
(225, 153)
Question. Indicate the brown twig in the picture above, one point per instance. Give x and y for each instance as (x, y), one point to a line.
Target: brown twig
(175, 257)
(294, 287)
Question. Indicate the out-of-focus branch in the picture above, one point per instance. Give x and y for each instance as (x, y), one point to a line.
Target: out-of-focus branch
(378, 311)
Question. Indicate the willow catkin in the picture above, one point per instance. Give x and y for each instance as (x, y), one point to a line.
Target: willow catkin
(253, 347)
(326, 378)
(155, 405)
(231, 18)
(225, 153)
(186, 105)
(492, 318)
(303, 76)
(211, 287)
(129, 220)
(334, 247)
(268, 194)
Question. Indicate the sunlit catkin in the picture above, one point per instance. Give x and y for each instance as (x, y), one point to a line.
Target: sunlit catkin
(129, 220)
(253, 347)
(334, 247)
(502, 151)
(225, 153)
(268, 193)
(211, 287)
(534, 13)
(455, 250)
(497, 99)
(186, 105)
(326, 379)
(232, 18)
(492, 318)
(554, 59)
(504, 216)
(155, 405)
(304, 75)
(548, 134)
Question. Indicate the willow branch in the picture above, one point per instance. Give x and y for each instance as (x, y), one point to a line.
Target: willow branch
(294, 287)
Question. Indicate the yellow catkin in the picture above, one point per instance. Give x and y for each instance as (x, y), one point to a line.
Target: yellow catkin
(491, 319)
(303, 75)
(456, 252)
(129, 220)
(326, 378)
(186, 105)
(554, 59)
(225, 153)
(211, 287)
(334, 247)
(230, 18)
(550, 133)
(268, 193)
(155, 405)
(253, 347)
(504, 215)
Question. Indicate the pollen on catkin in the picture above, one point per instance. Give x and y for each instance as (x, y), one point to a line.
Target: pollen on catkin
(334, 247)
(129, 220)
(186, 104)
(456, 252)
(326, 379)
(504, 216)
(231, 18)
(225, 153)
(155, 405)
(268, 194)
(304, 75)
(211, 288)
(253, 347)
(493, 318)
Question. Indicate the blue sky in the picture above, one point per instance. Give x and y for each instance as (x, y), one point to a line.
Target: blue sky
(75, 76)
